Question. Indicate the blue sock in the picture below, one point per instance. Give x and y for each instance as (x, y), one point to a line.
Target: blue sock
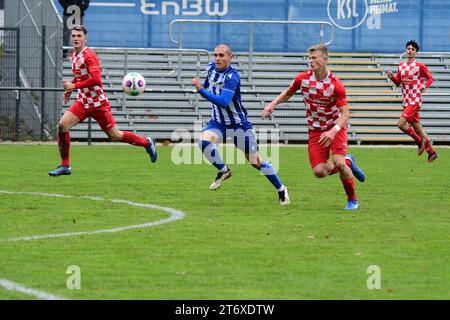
(211, 154)
(269, 172)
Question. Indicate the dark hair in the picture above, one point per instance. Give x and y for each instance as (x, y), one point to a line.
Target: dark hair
(413, 43)
(79, 27)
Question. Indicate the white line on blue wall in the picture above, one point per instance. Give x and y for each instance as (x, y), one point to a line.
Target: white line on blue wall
(112, 4)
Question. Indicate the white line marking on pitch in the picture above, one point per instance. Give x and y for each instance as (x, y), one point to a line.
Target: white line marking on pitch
(174, 215)
(11, 286)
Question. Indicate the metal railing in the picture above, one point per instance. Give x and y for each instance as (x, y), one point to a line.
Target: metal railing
(251, 37)
(17, 90)
(127, 51)
(428, 54)
(29, 15)
(10, 73)
(34, 67)
(178, 69)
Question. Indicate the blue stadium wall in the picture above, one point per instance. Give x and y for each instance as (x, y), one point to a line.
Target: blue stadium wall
(360, 25)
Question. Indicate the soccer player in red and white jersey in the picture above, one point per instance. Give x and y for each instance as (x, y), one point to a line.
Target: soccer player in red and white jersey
(327, 115)
(411, 75)
(91, 101)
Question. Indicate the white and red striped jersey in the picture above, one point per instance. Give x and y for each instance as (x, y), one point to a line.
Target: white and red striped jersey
(84, 65)
(411, 76)
(322, 99)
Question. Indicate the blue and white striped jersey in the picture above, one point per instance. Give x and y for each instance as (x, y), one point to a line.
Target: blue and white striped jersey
(230, 80)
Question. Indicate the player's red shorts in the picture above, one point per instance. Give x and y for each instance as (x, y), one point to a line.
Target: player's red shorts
(320, 154)
(102, 114)
(411, 113)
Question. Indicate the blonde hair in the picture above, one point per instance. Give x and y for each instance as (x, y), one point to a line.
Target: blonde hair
(319, 47)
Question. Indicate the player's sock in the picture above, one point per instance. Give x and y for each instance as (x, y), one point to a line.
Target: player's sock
(349, 187)
(413, 135)
(134, 139)
(269, 172)
(336, 170)
(429, 147)
(212, 155)
(348, 163)
(224, 169)
(64, 147)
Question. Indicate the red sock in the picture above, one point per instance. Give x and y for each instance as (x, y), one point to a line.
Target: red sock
(428, 147)
(349, 187)
(348, 163)
(134, 139)
(413, 135)
(64, 147)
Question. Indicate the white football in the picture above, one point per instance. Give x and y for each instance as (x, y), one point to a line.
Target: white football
(133, 84)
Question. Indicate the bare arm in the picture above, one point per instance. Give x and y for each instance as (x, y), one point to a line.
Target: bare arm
(282, 97)
(345, 115)
(328, 136)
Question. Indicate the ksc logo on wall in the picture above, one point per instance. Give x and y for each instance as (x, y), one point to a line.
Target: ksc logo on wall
(347, 14)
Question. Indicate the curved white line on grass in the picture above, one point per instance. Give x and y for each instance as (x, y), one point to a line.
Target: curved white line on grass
(11, 286)
(174, 215)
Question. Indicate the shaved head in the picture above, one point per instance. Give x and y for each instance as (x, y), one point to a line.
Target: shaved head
(223, 56)
(225, 47)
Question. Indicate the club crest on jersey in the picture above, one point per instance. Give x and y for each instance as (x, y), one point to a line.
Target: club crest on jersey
(328, 92)
(218, 85)
(79, 62)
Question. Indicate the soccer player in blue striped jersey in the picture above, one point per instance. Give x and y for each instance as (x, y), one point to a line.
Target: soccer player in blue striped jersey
(229, 119)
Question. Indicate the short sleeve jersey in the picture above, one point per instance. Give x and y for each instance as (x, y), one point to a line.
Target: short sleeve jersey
(82, 64)
(322, 99)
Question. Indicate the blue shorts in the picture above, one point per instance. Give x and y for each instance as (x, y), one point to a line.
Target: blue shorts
(242, 135)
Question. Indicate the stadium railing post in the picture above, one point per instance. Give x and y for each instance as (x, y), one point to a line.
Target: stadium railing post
(250, 53)
(17, 84)
(89, 131)
(43, 67)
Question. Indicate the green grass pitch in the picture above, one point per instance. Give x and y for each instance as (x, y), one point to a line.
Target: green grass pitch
(234, 243)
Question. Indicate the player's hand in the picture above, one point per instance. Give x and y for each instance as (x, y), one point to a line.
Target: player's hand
(390, 74)
(422, 87)
(327, 137)
(66, 96)
(196, 82)
(67, 85)
(267, 111)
